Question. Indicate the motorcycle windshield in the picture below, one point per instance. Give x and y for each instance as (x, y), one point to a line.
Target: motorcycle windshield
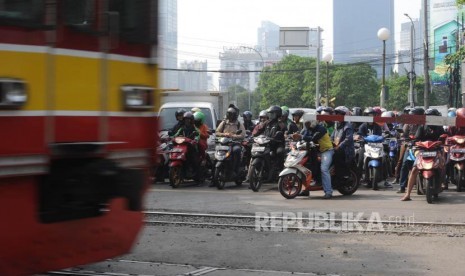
(374, 139)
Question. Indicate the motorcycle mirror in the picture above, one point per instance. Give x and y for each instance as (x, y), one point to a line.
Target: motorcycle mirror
(248, 132)
(239, 132)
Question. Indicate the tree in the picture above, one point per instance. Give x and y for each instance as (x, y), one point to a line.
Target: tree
(289, 82)
(355, 85)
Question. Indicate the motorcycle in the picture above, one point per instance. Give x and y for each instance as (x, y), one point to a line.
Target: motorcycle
(296, 174)
(430, 165)
(178, 168)
(162, 155)
(224, 163)
(456, 150)
(374, 160)
(263, 162)
(393, 154)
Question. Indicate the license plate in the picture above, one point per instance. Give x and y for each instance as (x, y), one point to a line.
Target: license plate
(458, 151)
(258, 149)
(429, 154)
(222, 148)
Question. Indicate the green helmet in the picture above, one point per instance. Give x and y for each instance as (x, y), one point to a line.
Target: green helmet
(285, 110)
(199, 116)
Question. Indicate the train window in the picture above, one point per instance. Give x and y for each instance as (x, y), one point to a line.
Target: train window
(79, 13)
(27, 13)
(135, 19)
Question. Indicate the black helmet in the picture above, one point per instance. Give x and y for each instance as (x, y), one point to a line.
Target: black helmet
(357, 111)
(231, 114)
(432, 112)
(407, 110)
(327, 111)
(298, 112)
(274, 112)
(247, 115)
(188, 115)
(369, 111)
(417, 111)
(341, 110)
(180, 112)
(319, 109)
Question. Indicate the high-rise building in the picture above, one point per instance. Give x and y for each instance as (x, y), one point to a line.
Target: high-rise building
(356, 24)
(168, 43)
(268, 37)
(403, 53)
(196, 79)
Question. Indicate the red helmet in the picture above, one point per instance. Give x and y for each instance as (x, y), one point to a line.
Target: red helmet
(377, 110)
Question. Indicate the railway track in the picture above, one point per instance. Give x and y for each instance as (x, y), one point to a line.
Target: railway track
(304, 224)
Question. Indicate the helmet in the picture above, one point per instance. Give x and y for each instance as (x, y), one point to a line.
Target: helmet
(417, 111)
(377, 111)
(231, 114)
(460, 112)
(263, 114)
(451, 114)
(432, 112)
(311, 124)
(328, 110)
(383, 110)
(407, 110)
(389, 114)
(199, 116)
(180, 112)
(368, 111)
(298, 112)
(274, 112)
(195, 109)
(452, 109)
(319, 109)
(285, 111)
(357, 111)
(247, 115)
(341, 110)
(188, 115)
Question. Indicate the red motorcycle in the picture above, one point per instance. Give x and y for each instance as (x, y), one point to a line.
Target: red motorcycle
(430, 163)
(456, 163)
(178, 168)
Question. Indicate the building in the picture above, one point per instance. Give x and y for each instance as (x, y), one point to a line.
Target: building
(356, 24)
(403, 53)
(243, 65)
(193, 76)
(268, 37)
(168, 43)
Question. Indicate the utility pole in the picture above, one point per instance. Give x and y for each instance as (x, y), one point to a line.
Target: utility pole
(426, 55)
(411, 74)
(318, 53)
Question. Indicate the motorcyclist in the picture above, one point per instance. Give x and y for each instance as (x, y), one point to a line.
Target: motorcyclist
(317, 133)
(297, 116)
(273, 129)
(454, 130)
(262, 118)
(406, 111)
(189, 130)
(229, 128)
(409, 131)
(289, 124)
(356, 111)
(329, 125)
(199, 122)
(180, 121)
(424, 133)
(343, 140)
(248, 124)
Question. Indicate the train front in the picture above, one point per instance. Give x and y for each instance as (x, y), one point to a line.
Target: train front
(78, 124)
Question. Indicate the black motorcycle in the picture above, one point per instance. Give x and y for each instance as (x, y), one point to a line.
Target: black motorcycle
(224, 163)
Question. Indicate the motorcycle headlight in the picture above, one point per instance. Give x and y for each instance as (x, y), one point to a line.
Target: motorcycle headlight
(12, 93)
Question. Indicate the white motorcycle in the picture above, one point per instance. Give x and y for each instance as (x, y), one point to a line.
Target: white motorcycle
(374, 160)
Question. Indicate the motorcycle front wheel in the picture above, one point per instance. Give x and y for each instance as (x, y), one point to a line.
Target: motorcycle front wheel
(289, 185)
(175, 177)
(429, 189)
(255, 178)
(220, 178)
(459, 181)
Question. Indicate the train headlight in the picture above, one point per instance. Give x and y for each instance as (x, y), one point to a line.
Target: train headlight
(137, 97)
(13, 93)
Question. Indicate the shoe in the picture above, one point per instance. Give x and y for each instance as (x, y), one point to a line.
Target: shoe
(327, 196)
(395, 181)
(401, 191)
(387, 185)
(304, 193)
(375, 188)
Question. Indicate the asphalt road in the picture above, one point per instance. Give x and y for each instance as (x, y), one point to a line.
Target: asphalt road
(195, 250)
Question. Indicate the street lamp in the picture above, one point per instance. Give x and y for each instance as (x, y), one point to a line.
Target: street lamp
(327, 58)
(383, 34)
(411, 74)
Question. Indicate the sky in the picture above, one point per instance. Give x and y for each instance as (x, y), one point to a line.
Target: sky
(206, 26)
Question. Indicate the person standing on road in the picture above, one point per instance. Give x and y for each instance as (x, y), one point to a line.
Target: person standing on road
(343, 139)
